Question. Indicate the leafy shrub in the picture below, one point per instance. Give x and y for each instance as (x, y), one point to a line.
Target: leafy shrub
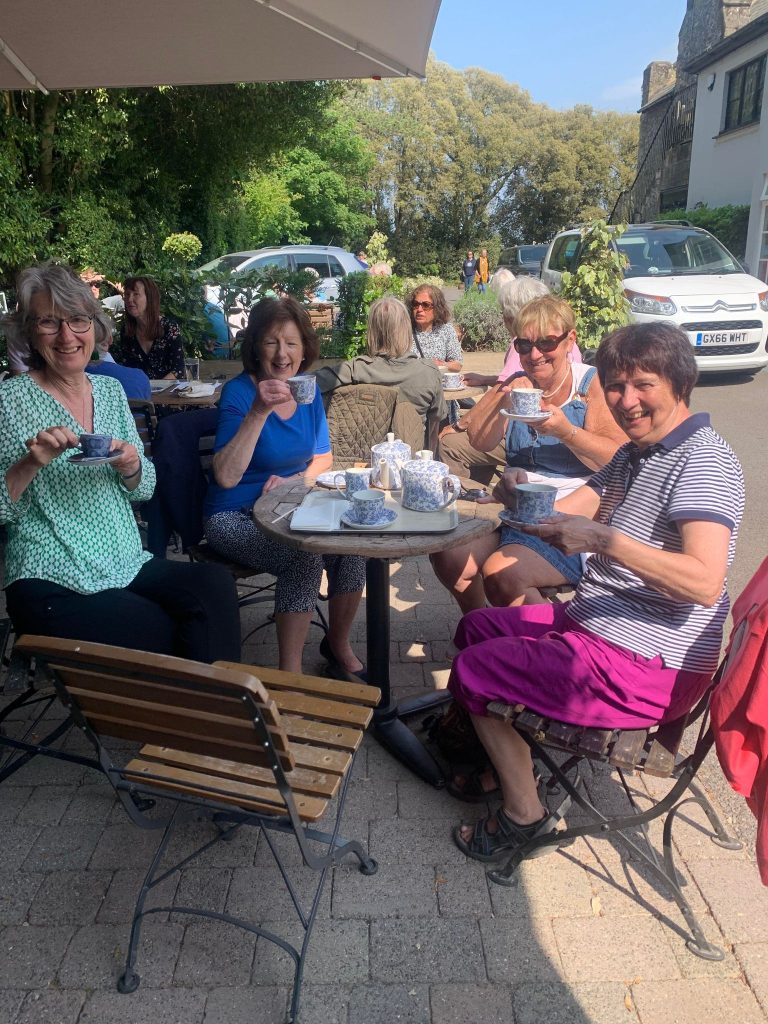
(727, 223)
(596, 289)
(183, 247)
(481, 321)
(356, 293)
(376, 250)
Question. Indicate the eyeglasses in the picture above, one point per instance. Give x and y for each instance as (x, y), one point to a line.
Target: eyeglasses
(52, 324)
(422, 305)
(523, 346)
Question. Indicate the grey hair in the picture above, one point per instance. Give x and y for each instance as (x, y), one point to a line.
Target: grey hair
(390, 332)
(69, 296)
(518, 293)
(500, 278)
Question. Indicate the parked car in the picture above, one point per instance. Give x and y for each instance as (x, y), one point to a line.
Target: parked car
(684, 275)
(328, 261)
(523, 260)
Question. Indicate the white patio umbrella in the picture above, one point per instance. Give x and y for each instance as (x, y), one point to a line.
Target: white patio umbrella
(79, 44)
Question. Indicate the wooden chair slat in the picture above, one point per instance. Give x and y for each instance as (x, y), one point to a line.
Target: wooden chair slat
(275, 679)
(665, 743)
(339, 737)
(563, 734)
(302, 780)
(498, 709)
(241, 794)
(628, 748)
(316, 708)
(182, 721)
(249, 753)
(167, 695)
(531, 722)
(595, 742)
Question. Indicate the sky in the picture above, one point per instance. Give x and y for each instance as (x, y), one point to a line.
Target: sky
(562, 52)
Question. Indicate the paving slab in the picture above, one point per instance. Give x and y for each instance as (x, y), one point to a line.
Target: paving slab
(738, 900)
(214, 954)
(10, 1001)
(417, 951)
(753, 958)
(389, 1004)
(519, 948)
(471, 1004)
(96, 955)
(69, 897)
(145, 1006)
(17, 890)
(556, 1003)
(610, 949)
(51, 1006)
(250, 1005)
(688, 1001)
(338, 953)
(30, 957)
(391, 892)
(462, 890)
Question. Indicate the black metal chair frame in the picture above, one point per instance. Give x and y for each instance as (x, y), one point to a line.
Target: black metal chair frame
(136, 794)
(597, 745)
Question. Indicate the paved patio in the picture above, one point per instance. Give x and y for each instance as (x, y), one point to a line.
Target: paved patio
(426, 941)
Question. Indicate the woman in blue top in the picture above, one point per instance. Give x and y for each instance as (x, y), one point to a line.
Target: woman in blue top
(506, 567)
(264, 439)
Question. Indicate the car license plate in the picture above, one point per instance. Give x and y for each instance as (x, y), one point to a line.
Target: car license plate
(721, 338)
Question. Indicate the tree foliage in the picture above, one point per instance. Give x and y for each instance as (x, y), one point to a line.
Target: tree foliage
(727, 223)
(595, 290)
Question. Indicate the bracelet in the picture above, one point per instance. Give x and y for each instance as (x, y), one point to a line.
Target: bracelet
(131, 475)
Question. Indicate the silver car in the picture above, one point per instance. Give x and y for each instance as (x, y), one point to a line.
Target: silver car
(329, 262)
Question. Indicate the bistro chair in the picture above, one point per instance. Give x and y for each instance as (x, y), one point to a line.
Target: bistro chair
(240, 745)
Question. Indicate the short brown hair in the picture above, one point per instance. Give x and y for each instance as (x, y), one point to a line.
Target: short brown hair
(266, 314)
(544, 314)
(436, 297)
(655, 347)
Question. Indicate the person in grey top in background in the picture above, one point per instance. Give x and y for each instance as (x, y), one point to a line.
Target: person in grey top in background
(434, 336)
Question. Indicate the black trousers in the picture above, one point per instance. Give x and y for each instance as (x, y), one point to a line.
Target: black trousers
(181, 608)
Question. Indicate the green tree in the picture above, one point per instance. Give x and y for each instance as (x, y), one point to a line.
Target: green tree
(596, 289)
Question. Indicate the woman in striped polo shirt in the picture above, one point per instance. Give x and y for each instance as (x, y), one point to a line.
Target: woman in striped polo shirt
(641, 638)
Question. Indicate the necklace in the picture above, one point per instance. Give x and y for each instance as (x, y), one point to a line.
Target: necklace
(548, 394)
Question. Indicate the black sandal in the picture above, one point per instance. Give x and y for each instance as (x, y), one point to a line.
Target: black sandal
(471, 791)
(486, 846)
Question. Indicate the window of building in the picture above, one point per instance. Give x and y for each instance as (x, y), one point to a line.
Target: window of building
(745, 94)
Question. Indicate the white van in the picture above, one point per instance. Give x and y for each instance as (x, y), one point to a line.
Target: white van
(683, 275)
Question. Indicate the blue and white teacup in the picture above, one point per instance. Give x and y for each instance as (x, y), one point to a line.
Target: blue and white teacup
(354, 480)
(96, 446)
(427, 485)
(303, 388)
(525, 401)
(368, 506)
(452, 381)
(534, 502)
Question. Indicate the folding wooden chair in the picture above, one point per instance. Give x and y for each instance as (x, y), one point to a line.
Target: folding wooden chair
(655, 752)
(242, 745)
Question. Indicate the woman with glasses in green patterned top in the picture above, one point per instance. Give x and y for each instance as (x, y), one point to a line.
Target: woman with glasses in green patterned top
(74, 564)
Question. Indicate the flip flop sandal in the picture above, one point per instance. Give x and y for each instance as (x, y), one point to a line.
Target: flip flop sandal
(486, 846)
(471, 791)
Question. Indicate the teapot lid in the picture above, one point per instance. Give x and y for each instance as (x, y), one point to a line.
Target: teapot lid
(391, 445)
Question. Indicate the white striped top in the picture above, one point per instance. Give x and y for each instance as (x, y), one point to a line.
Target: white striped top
(692, 474)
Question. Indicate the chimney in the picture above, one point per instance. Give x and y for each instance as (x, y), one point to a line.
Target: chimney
(658, 77)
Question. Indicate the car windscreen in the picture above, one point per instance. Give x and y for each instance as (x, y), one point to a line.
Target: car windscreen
(532, 253)
(679, 250)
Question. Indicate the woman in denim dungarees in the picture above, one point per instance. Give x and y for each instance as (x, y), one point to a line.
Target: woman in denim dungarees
(580, 436)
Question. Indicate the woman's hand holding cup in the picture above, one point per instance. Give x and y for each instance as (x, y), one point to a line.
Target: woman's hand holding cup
(129, 462)
(48, 444)
(269, 393)
(504, 491)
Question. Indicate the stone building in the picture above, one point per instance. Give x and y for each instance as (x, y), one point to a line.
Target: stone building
(667, 111)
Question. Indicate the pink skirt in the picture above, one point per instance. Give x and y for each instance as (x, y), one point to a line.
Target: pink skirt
(538, 656)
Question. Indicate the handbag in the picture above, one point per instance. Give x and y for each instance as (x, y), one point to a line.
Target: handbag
(453, 734)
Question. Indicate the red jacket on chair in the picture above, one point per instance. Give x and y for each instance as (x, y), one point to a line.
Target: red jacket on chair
(740, 707)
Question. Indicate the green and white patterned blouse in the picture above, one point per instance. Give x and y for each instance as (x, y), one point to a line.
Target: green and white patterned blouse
(73, 525)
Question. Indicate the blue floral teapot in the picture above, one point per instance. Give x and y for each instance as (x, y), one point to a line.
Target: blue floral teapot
(427, 485)
(387, 459)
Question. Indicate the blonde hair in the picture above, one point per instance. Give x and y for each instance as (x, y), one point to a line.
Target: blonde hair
(542, 315)
(389, 328)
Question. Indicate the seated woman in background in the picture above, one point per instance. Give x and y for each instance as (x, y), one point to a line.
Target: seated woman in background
(434, 336)
(391, 361)
(74, 565)
(506, 567)
(640, 639)
(148, 340)
(264, 439)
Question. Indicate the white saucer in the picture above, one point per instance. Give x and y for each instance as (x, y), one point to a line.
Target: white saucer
(328, 478)
(538, 418)
(94, 460)
(508, 518)
(448, 390)
(388, 517)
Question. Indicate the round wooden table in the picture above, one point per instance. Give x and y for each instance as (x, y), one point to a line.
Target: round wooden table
(379, 549)
(455, 395)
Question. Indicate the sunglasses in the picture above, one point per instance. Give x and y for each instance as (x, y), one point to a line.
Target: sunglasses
(523, 346)
(422, 305)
